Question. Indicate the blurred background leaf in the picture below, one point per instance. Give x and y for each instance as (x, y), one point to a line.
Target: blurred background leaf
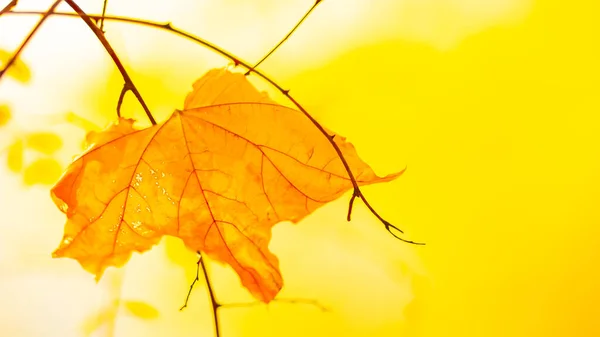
(5, 115)
(99, 319)
(83, 123)
(43, 171)
(140, 309)
(14, 159)
(19, 71)
(44, 142)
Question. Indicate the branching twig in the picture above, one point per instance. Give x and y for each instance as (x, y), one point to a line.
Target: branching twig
(357, 193)
(9, 6)
(216, 305)
(15, 56)
(196, 279)
(285, 38)
(128, 82)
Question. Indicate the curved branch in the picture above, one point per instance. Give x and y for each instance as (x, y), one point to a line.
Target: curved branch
(357, 193)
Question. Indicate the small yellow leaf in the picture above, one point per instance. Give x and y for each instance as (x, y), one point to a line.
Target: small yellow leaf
(140, 309)
(44, 142)
(18, 70)
(80, 122)
(14, 160)
(5, 115)
(45, 171)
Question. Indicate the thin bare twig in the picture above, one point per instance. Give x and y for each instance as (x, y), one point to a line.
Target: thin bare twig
(357, 193)
(279, 300)
(15, 56)
(196, 279)
(129, 86)
(285, 38)
(103, 15)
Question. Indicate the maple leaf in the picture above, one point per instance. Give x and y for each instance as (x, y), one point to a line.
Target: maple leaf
(219, 175)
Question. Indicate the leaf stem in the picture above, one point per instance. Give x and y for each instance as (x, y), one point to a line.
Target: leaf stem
(357, 193)
(284, 38)
(15, 56)
(129, 86)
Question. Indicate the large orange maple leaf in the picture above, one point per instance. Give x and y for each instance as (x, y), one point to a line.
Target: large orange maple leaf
(218, 175)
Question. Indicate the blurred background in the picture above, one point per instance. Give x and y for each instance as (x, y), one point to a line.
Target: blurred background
(492, 105)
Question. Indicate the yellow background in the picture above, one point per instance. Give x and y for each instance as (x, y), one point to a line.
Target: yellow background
(492, 105)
